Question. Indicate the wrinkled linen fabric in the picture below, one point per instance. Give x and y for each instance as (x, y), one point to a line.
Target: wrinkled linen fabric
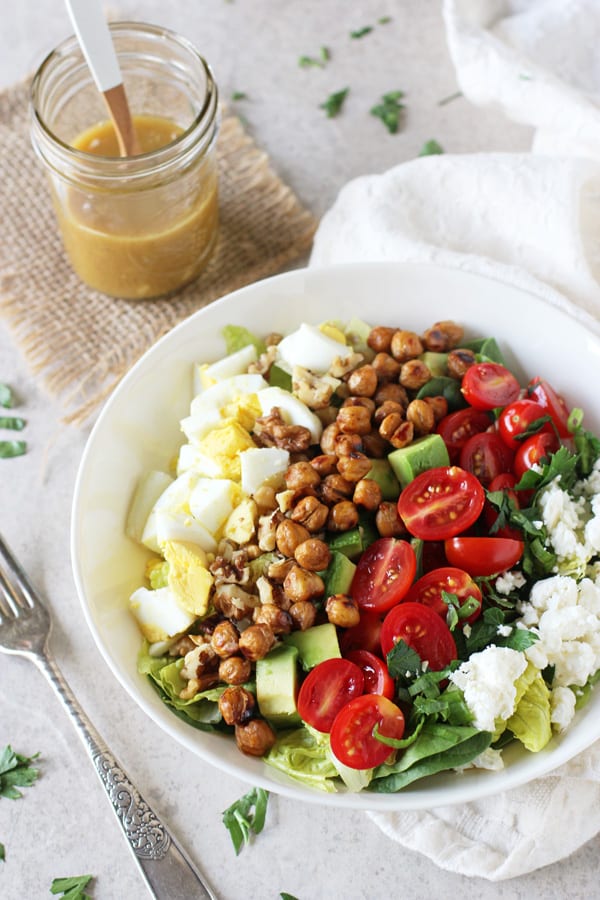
(530, 220)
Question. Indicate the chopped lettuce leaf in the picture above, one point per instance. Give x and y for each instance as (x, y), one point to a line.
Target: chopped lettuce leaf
(303, 754)
(530, 722)
(237, 337)
(165, 672)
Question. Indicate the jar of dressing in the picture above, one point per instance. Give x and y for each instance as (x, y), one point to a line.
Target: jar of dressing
(141, 226)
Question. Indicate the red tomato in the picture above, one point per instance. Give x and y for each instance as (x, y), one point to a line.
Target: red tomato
(384, 573)
(516, 418)
(483, 555)
(488, 385)
(533, 450)
(364, 636)
(326, 688)
(423, 630)
(551, 402)
(504, 482)
(377, 678)
(432, 555)
(441, 502)
(456, 428)
(486, 456)
(352, 740)
(428, 590)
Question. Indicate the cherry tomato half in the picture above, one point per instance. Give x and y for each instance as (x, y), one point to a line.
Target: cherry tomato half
(384, 573)
(428, 590)
(364, 636)
(483, 555)
(441, 502)
(516, 419)
(456, 428)
(326, 688)
(552, 403)
(486, 456)
(488, 385)
(423, 630)
(534, 450)
(377, 678)
(352, 740)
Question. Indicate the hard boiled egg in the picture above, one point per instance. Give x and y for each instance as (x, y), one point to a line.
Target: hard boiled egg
(158, 613)
(310, 348)
(232, 398)
(235, 364)
(189, 579)
(293, 411)
(260, 465)
(212, 501)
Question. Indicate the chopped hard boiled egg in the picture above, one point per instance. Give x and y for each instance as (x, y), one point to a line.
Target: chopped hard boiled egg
(205, 375)
(262, 464)
(292, 410)
(222, 446)
(241, 524)
(158, 613)
(148, 489)
(189, 579)
(212, 501)
(232, 398)
(182, 526)
(310, 348)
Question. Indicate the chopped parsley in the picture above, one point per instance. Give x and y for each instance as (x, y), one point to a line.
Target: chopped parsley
(361, 32)
(384, 20)
(72, 888)
(6, 396)
(16, 771)
(2, 853)
(241, 821)
(431, 148)
(14, 423)
(333, 104)
(239, 95)
(10, 449)
(389, 110)
(306, 62)
(450, 98)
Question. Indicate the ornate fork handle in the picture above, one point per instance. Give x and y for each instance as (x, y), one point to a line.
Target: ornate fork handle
(168, 871)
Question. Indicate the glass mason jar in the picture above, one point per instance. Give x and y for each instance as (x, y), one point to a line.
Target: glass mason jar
(140, 226)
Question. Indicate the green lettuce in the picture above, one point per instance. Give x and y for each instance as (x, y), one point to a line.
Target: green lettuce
(530, 722)
(304, 755)
(237, 337)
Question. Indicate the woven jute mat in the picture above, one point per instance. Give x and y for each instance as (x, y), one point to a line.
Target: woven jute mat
(81, 342)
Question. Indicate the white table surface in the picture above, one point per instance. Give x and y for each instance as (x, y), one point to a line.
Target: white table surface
(64, 826)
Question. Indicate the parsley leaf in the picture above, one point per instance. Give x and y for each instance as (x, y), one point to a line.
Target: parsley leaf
(431, 148)
(2, 853)
(15, 771)
(449, 98)
(384, 20)
(285, 896)
(72, 888)
(239, 95)
(241, 822)
(7, 398)
(15, 423)
(361, 32)
(9, 449)
(389, 110)
(561, 463)
(403, 662)
(334, 103)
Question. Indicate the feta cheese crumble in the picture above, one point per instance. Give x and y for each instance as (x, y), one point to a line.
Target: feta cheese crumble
(487, 680)
(572, 521)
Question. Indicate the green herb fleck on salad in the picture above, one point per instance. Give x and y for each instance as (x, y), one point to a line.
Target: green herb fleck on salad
(16, 771)
(333, 104)
(361, 32)
(431, 148)
(389, 110)
(72, 888)
(246, 817)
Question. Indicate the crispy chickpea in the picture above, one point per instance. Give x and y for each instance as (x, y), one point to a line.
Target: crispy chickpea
(387, 520)
(264, 497)
(276, 618)
(405, 345)
(256, 641)
(236, 705)
(375, 446)
(391, 390)
(459, 361)
(387, 408)
(453, 332)
(313, 554)
(386, 367)
(277, 570)
(342, 610)
(363, 381)
(403, 435)
(311, 513)
(354, 466)
(255, 738)
(325, 464)
(300, 584)
(421, 415)
(342, 516)
(367, 402)
(303, 614)
(288, 535)
(439, 405)
(301, 475)
(235, 670)
(380, 339)
(367, 494)
(354, 420)
(328, 437)
(225, 639)
(414, 374)
(335, 488)
(390, 424)
(348, 443)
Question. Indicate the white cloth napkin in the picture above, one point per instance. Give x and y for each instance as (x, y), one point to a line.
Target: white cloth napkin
(533, 220)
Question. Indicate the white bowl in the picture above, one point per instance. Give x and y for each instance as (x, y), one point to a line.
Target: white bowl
(138, 430)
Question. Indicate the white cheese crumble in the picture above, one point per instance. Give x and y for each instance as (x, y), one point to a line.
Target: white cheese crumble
(572, 521)
(487, 680)
(562, 707)
(509, 581)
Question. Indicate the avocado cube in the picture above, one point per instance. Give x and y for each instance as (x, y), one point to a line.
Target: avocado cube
(437, 363)
(426, 452)
(383, 474)
(314, 645)
(277, 686)
(338, 575)
(350, 543)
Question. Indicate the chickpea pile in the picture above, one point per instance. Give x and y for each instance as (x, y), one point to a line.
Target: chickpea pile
(273, 584)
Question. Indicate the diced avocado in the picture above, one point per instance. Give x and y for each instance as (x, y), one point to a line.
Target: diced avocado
(383, 474)
(278, 377)
(443, 386)
(357, 332)
(338, 575)
(426, 452)
(315, 645)
(487, 349)
(350, 543)
(437, 363)
(277, 686)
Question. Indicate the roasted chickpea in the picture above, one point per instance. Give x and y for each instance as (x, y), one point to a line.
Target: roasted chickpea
(313, 554)
(311, 513)
(276, 618)
(363, 381)
(301, 475)
(225, 639)
(300, 584)
(380, 339)
(288, 535)
(236, 705)
(454, 332)
(367, 494)
(403, 435)
(277, 570)
(414, 374)
(325, 464)
(390, 424)
(459, 361)
(328, 437)
(342, 516)
(264, 497)
(387, 520)
(391, 390)
(374, 445)
(405, 345)
(421, 415)
(348, 443)
(354, 420)
(335, 488)
(303, 614)
(255, 738)
(235, 670)
(367, 402)
(439, 405)
(256, 641)
(386, 409)
(354, 467)
(386, 367)
(342, 610)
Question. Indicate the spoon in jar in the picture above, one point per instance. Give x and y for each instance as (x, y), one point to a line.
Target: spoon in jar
(96, 44)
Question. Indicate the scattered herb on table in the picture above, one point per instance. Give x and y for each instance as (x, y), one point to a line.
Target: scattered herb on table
(239, 95)
(389, 110)
(72, 888)
(523, 76)
(286, 896)
(334, 103)
(10, 449)
(2, 853)
(306, 62)
(14, 423)
(16, 771)
(240, 819)
(6, 396)
(431, 148)
(361, 32)
(384, 20)
(450, 98)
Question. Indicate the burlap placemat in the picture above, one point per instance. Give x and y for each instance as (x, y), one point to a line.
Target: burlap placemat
(81, 342)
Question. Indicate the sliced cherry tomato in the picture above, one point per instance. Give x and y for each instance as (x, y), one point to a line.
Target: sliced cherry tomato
(428, 590)
(432, 555)
(486, 456)
(423, 630)
(516, 418)
(326, 688)
(456, 428)
(377, 678)
(364, 636)
(441, 502)
(483, 555)
(384, 573)
(504, 482)
(488, 385)
(352, 740)
(534, 450)
(552, 403)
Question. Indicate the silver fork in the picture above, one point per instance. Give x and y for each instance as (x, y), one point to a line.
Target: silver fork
(25, 626)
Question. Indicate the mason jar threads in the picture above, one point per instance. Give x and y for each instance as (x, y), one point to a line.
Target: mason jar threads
(142, 226)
